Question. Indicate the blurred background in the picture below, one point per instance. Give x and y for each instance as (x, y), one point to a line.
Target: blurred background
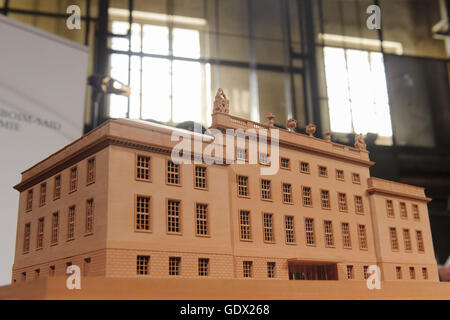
(315, 61)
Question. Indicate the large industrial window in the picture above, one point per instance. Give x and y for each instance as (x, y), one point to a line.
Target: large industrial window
(357, 92)
(163, 88)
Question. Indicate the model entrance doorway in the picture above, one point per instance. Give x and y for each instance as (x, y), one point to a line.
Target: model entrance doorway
(307, 270)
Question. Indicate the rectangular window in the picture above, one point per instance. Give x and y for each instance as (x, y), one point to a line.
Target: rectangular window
(26, 238)
(325, 199)
(285, 163)
(365, 272)
(264, 159)
(243, 186)
(353, 105)
(289, 228)
(143, 168)
(173, 216)
(403, 212)
(287, 193)
(342, 197)
(412, 273)
(415, 211)
(362, 235)
(309, 230)
(143, 265)
(29, 205)
(328, 232)
(71, 223)
(350, 274)
(390, 208)
(90, 175)
(200, 177)
(201, 219)
(247, 269)
(420, 245)
(245, 227)
(86, 265)
(304, 167)
(73, 179)
(398, 272)
(323, 171)
(51, 271)
(37, 274)
(89, 216)
(266, 192)
(394, 239)
(24, 276)
(143, 213)
(40, 234)
(271, 269)
(359, 206)
(268, 227)
(346, 238)
(43, 195)
(241, 154)
(173, 173)
(424, 273)
(407, 239)
(174, 266)
(307, 198)
(203, 267)
(339, 174)
(356, 178)
(55, 228)
(57, 189)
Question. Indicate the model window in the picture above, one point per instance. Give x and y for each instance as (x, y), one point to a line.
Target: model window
(287, 193)
(57, 190)
(307, 198)
(415, 211)
(174, 266)
(43, 196)
(359, 207)
(241, 154)
(243, 186)
(398, 272)
(268, 227)
(173, 216)
(40, 234)
(29, 204)
(26, 238)
(203, 267)
(90, 177)
(328, 232)
(55, 228)
(356, 178)
(285, 163)
(304, 167)
(143, 265)
(173, 173)
(289, 228)
(342, 197)
(200, 177)
(407, 239)
(270, 269)
(339, 174)
(142, 213)
(71, 223)
(362, 235)
(266, 193)
(346, 238)
(73, 179)
(350, 274)
(264, 158)
(394, 240)
(412, 273)
(425, 273)
(247, 269)
(309, 229)
(420, 245)
(403, 212)
(366, 272)
(245, 227)
(390, 208)
(89, 216)
(201, 219)
(323, 171)
(325, 199)
(143, 168)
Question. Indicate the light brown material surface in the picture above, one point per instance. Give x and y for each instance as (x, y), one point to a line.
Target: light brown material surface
(112, 248)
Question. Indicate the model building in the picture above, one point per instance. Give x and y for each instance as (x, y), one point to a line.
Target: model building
(114, 203)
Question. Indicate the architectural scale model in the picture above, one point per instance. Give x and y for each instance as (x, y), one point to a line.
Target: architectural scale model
(114, 204)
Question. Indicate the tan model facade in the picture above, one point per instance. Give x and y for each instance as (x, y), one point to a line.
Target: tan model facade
(115, 204)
